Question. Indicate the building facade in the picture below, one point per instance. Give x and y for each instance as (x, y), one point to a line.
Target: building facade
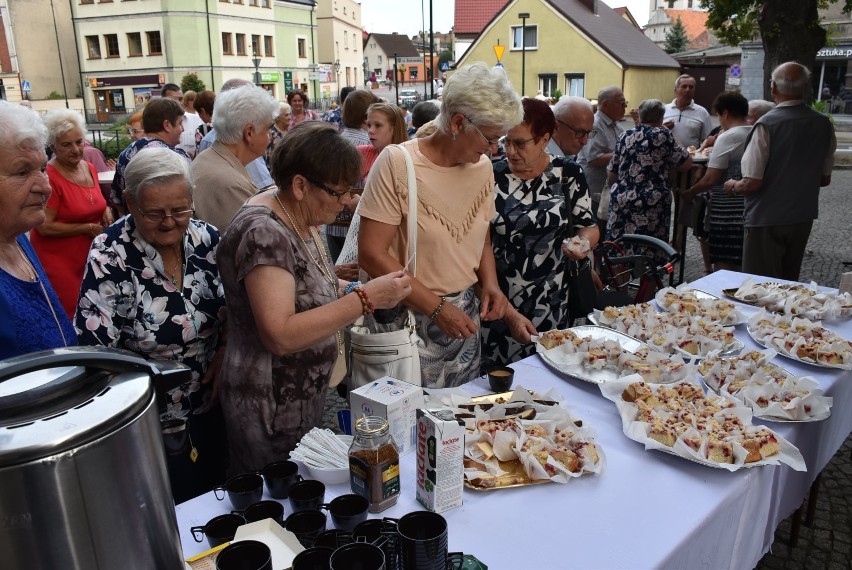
(379, 60)
(340, 41)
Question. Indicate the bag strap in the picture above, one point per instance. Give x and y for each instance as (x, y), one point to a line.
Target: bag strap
(412, 210)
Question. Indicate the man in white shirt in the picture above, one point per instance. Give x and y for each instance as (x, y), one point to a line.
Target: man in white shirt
(689, 122)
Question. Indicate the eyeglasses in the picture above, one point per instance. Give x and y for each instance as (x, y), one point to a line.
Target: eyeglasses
(519, 144)
(158, 217)
(131, 131)
(486, 139)
(329, 191)
(579, 133)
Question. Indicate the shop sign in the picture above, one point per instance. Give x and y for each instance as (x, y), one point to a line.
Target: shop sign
(838, 52)
(270, 77)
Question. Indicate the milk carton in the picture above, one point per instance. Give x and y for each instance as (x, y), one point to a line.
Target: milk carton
(394, 400)
(440, 460)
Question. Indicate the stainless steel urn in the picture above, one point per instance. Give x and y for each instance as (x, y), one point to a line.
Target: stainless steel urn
(83, 480)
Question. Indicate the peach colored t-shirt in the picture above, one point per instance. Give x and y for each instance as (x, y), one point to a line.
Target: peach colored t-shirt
(455, 205)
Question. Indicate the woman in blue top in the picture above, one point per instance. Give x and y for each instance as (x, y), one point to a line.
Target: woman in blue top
(31, 317)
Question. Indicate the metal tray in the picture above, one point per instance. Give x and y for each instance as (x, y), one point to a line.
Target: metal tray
(515, 471)
(772, 307)
(783, 352)
(595, 376)
(699, 294)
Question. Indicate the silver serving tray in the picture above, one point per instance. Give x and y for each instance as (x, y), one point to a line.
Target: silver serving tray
(786, 354)
(699, 294)
(579, 371)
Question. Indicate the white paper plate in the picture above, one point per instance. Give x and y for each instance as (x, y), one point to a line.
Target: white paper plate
(739, 319)
(785, 353)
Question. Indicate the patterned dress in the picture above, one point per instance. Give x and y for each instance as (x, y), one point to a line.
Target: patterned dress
(270, 402)
(127, 301)
(640, 200)
(533, 218)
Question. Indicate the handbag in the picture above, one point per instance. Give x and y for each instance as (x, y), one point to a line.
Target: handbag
(582, 293)
(373, 355)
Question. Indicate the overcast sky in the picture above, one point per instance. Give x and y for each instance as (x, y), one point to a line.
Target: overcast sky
(405, 16)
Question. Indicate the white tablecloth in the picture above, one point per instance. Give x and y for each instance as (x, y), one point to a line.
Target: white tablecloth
(647, 510)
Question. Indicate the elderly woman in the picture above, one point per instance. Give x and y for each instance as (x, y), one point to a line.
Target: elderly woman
(286, 308)
(541, 201)
(152, 287)
(276, 131)
(726, 212)
(204, 102)
(31, 315)
(640, 197)
(455, 189)
(75, 212)
(298, 101)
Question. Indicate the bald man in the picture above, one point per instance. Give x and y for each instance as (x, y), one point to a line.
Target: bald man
(789, 156)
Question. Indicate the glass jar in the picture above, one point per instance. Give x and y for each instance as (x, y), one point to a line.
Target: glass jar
(374, 463)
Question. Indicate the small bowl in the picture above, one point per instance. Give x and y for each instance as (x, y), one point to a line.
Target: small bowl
(332, 476)
(500, 379)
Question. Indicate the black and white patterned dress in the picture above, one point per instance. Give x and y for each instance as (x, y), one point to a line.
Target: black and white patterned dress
(532, 221)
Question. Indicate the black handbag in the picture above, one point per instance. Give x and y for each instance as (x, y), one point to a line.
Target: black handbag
(582, 293)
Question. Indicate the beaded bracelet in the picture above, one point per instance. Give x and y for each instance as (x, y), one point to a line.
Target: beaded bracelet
(366, 306)
(437, 309)
(351, 287)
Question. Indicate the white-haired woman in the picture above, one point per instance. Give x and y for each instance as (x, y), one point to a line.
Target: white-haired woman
(75, 212)
(277, 130)
(31, 316)
(152, 287)
(455, 191)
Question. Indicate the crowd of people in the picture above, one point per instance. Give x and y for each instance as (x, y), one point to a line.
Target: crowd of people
(208, 249)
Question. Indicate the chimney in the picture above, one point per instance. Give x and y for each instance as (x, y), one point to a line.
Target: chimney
(591, 5)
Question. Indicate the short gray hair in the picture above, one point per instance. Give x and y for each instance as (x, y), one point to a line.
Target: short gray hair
(681, 78)
(60, 121)
(236, 108)
(482, 94)
(608, 93)
(154, 166)
(284, 107)
(21, 126)
(792, 79)
(651, 111)
(234, 83)
(759, 107)
(568, 104)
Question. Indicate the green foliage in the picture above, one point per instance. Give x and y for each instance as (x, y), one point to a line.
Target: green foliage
(676, 40)
(445, 56)
(191, 82)
(556, 94)
(55, 95)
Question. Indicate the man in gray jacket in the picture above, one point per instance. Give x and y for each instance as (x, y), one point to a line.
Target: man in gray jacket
(789, 156)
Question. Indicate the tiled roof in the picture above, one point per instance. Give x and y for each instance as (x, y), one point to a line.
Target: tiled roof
(694, 21)
(471, 16)
(399, 44)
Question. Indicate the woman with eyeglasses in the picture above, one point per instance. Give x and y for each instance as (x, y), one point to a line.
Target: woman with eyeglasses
(286, 306)
(152, 287)
(640, 198)
(75, 212)
(456, 285)
(541, 201)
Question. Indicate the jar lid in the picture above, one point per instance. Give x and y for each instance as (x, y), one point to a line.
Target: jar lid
(371, 425)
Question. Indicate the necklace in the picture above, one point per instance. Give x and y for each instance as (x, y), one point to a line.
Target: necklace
(44, 292)
(323, 267)
(177, 271)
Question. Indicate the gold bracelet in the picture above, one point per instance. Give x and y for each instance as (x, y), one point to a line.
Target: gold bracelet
(437, 310)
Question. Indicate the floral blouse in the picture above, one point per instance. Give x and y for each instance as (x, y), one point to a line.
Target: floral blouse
(127, 301)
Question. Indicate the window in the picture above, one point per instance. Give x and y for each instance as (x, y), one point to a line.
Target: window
(345, 40)
(87, 1)
(241, 44)
(531, 39)
(302, 47)
(111, 41)
(575, 84)
(94, 45)
(255, 46)
(689, 4)
(253, 3)
(268, 49)
(155, 46)
(227, 47)
(547, 84)
(134, 44)
(380, 58)
(264, 3)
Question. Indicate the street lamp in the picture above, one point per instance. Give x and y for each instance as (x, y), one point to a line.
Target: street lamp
(523, 16)
(395, 83)
(256, 61)
(337, 72)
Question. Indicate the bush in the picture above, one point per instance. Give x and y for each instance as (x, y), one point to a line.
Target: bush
(556, 94)
(191, 82)
(55, 95)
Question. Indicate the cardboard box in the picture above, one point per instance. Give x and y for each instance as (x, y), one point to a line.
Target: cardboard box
(394, 400)
(440, 460)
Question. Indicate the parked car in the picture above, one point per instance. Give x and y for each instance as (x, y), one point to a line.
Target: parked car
(409, 97)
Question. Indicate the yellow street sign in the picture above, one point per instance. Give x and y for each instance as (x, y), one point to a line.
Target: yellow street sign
(498, 51)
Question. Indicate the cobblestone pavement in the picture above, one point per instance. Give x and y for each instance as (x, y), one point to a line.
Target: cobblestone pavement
(829, 543)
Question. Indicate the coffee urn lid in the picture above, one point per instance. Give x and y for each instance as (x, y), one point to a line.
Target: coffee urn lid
(57, 400)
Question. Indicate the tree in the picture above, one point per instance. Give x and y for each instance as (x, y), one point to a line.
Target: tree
(789, 29)
(676, 40)
(191, 82)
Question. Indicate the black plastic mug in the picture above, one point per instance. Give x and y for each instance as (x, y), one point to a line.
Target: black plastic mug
(245, 555)
(423, 540)
(279, 476)
(243, 490)
(334, 539)
(373, 531)
(358, 556)
(306, 525)
(347, 511)
(314, 558)
(262, 510)
(307, 495)
(218, 530)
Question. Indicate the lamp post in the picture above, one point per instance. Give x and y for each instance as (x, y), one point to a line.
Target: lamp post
(337, 72)
(523, 16)
(256, 61)
(395, 82)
